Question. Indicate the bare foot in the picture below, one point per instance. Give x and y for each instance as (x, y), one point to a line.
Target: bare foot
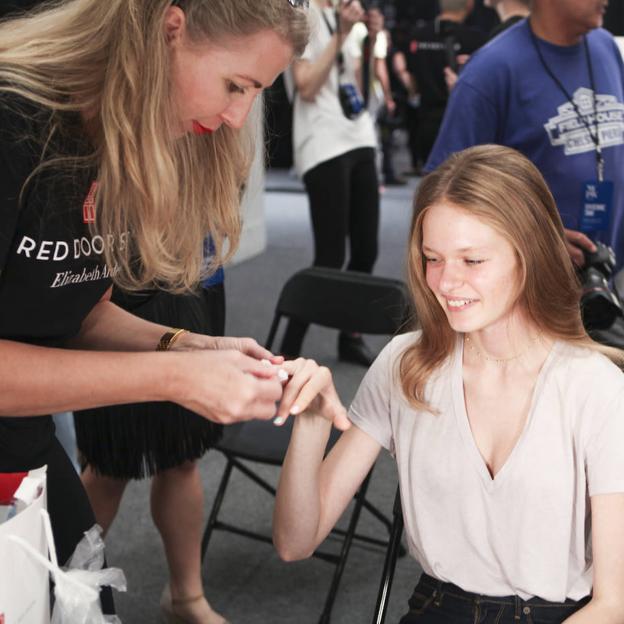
(192, 610)
(197, 612)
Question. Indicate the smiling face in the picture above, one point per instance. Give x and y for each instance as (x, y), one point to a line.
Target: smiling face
(217, 83)
(471, 269)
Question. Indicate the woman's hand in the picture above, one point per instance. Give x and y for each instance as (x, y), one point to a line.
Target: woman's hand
(248, 346)
(224, 386)
(310, 389)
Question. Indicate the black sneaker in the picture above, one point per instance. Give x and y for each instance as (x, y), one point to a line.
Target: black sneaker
(395, 181)
(353, 349)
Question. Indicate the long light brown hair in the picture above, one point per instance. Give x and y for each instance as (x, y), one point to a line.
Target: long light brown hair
(505, 190)
(109, 59)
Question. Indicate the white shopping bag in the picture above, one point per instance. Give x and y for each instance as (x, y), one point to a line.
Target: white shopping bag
(24, 584)
(26, 566)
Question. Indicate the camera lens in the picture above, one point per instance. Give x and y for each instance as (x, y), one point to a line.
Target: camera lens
(600, 306)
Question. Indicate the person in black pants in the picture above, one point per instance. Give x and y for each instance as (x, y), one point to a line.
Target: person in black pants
(344, 204)
(335, 155)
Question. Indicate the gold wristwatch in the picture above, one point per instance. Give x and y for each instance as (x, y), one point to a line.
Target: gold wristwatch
(168, 338)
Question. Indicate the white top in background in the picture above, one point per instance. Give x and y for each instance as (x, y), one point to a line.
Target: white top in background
(356, 38)
(523, 532)
(320, 130)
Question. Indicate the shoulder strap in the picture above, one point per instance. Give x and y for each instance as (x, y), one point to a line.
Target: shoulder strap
(329, 26)
(339, 56)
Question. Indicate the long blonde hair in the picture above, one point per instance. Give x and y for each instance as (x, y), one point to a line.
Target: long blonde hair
(109, 59)
(505, 190)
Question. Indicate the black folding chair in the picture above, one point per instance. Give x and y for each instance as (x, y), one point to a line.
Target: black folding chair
(392, 552)
(343, 300)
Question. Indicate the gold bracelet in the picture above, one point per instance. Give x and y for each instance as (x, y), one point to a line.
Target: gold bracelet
(168, 338)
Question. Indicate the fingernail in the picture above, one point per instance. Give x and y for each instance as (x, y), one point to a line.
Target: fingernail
(265, 362)
(295, 409)
(279, 420)
(282, 375)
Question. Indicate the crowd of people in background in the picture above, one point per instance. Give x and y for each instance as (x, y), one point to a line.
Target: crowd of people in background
(425, 45)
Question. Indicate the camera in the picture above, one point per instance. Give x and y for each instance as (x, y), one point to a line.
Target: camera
(600, 306)
(351, 101)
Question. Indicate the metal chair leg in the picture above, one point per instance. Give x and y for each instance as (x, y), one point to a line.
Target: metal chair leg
(216, 506)
(344, 551)
(392, 553)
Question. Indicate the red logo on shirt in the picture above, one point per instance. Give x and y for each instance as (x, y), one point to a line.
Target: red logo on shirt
(88, 209)
(413, 46)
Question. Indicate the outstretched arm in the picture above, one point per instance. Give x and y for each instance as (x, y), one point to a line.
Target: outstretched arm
(312, 492)
(113, 361)
(607, 603)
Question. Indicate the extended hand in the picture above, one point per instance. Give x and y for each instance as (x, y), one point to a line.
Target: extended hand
(310, 389)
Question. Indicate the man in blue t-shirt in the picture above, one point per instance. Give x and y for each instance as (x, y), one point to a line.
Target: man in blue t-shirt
(537, 88)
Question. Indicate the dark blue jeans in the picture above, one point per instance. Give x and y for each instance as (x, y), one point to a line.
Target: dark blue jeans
(434, 602)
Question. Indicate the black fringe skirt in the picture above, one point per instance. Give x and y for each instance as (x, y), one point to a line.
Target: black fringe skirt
(139, 440)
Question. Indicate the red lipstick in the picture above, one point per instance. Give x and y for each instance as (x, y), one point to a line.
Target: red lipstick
(199, 129)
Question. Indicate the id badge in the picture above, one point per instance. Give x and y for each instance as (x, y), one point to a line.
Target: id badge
(597, 203)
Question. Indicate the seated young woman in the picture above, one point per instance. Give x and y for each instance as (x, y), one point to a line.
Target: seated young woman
(505, 419)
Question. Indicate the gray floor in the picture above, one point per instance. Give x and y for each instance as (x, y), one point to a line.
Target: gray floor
(245, 580)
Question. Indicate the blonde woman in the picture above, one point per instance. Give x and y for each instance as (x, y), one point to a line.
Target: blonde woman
(505, 419)
(123, 143)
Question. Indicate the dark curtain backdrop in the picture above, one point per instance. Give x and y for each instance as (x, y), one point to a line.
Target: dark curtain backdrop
(11, 6)
(614, 19)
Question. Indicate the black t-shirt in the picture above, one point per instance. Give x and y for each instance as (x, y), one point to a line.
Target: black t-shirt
(51, 274)
(51, 269)
(428, 52)
(503, 26)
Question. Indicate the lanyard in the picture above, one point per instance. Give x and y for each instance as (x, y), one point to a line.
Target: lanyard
(595, 136)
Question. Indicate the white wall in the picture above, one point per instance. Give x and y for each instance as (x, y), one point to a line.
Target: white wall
(620, 42)
(253, 237)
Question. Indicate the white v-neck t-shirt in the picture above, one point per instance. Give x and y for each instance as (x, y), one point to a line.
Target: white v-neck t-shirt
(527, 531)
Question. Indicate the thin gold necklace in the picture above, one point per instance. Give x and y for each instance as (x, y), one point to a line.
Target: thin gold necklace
(472, 347)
